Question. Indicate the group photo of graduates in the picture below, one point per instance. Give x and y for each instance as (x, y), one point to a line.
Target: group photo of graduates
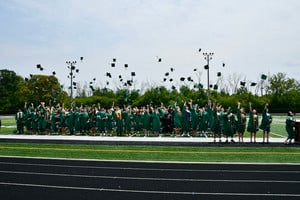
(180, 119)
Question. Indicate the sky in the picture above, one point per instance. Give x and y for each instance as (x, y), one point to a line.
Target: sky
(251, 37)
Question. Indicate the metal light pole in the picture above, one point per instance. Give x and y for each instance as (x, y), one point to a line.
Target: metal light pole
(71, 76)
(208, 57)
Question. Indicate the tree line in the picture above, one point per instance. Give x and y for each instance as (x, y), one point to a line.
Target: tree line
(281, 93)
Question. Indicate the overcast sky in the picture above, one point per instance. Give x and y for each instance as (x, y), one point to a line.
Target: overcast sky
(252, 37)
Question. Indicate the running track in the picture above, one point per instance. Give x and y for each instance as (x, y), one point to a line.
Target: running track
(42, 179)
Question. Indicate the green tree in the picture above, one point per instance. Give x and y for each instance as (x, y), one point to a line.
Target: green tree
(9, 82)
(41, 88)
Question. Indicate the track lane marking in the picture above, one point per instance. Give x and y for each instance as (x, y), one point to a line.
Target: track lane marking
(148, 178)
(144, 191)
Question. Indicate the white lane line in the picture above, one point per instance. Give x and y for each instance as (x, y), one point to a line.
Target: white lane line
(150, 169)
(144, 191)
(149, 178)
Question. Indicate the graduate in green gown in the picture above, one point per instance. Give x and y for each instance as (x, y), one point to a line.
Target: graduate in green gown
(290, 128)
(252, 127)
(265, 124)
(241, 122)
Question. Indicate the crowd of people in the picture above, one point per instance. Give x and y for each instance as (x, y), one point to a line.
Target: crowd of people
(186, 119)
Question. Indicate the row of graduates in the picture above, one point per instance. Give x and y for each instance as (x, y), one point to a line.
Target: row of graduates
(184, 119)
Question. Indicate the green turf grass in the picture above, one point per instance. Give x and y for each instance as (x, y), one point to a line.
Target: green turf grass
(155, 153)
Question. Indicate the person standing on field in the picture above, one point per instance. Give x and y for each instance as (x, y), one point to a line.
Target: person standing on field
(290, 127)
(252, 127)
(265, 125)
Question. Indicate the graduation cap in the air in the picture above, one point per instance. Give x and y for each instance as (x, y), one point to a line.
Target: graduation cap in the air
(53, 73)
(31, 75)
(108, 74)
(81, 58)
(94, 79)
(205, 66)
(182, 78)
(219, 74)
(159, 59)
(171, 80)
(38, 66)
(41, 68)
(126, 65)
(195, 69)
(120, 76)
(164, 79)
(242, 83)
(121, 79)
(223, 64)
(172, 69)
(72, 67)
(215, 87)
(74, 83)
(129, 82)
(210, 85)
(189, 79)
(253, 84)
(199, 49)
(114, 59)
(167, 74)
(91, 83)
(173, 87)
(132, 73)
(107, 83)
(263, 77)
(77, 70)
(113, 64)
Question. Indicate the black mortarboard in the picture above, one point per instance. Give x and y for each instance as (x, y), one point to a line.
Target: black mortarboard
(219, 74)
(38, 66)
(205, 66)
(171, 80)
(113, 64)
(77, 70)
(132, 73)
(242, 83)
(172, 69)
(215, 87)
(81, 58)
(165, 79)
(195, 69)
(167, 74)
(121, 80)
(91, 83)
(210, 85)
(189, 78)
(173, 87)
(120, 76)
(114, 59)
(107, 83)
(72, 67)
(94, 79)
(31, 75)
(159, 59)
(125, 84)
(182, 78)
(75, 88)
(129, 82)
(263, 77)
(74, 83)
(199, 50)
(223, 64)
(108, 74)
(126, 65)
(41, 69)
(53, 73)
(253, 84)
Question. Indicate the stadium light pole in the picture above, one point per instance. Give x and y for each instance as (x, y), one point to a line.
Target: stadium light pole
(208, 57)
(71, 76)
